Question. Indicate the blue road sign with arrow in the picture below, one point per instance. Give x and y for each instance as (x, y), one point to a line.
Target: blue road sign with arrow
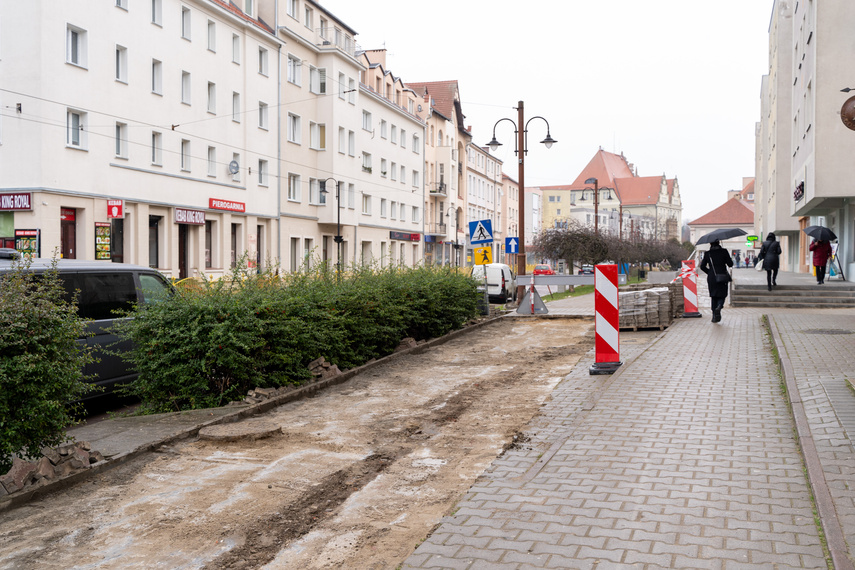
(481, 231)
(512, 245)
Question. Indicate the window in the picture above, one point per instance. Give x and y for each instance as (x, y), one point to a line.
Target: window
(351, 143)
(293, 187)
(235, 48)
(236, 107)
(394, 172)
(403, 213)
(121, 140)
(317, 136)
(75, 46)
(314, 191)
(262, 61)
(212, 98)
(76, 129)
(157, 12)
(341, 88)
(249, 7)
(291, 6)
(236, 175)
(366, 162)
(415, 214)
(403, 138)
(403, 174)
(121, 64)
(342, 140)
(156, 148)
(382, 207)
(185, 87)
(293, 70)
(309, 17)
(415, 178)
(293, 128)
(212, 161)
(156, 77)
(366, 120)
(185, 155)
(383, 129)
(366, 204)
(415, 143)
(393, 213)
(212, 35)
(351, 91)
(382, 167)
(185, 23)
(351, 196)
(262, 172)
(323, 29)
(262, 115)
(318, 80)
(394, 137)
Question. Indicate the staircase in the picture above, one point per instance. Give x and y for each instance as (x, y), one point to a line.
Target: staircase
(828, 296)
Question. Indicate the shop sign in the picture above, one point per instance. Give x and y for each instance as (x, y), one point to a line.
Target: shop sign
(195, 217)
(115, 208)
(102, 240)
(16, 201)
(28, 242)
(403, 236)
(67, 214)
(217, 204)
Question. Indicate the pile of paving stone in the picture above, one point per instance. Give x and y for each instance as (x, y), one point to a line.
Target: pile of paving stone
(675, 294)
(649, 308)
(55, 463)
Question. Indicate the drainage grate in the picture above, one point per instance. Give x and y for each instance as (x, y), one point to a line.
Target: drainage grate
(827, 331)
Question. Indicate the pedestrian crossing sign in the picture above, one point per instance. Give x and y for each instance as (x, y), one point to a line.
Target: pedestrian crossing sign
(481, 231)
(483, 255)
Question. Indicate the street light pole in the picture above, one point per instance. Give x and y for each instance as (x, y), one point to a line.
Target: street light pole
(520, 150)
(594, 181)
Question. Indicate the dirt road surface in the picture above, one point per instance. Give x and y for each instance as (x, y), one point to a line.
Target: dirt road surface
(358, 476)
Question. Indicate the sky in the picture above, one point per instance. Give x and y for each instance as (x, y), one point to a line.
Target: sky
(674, 85)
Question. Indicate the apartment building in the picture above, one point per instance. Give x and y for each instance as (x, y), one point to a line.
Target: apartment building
(510, 209)
(484, 196)
(143, 132)
(446, 228)
(803, 149)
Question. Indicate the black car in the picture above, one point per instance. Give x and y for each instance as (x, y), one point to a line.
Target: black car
(101, 288)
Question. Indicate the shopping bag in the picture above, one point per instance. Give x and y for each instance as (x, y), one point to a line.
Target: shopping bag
(759, 266)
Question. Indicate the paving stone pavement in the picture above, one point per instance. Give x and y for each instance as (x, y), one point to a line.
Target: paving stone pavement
(687, 457)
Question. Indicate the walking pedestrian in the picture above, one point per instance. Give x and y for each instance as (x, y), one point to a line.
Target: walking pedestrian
(715, 263)
(769, 252)
(821, 253)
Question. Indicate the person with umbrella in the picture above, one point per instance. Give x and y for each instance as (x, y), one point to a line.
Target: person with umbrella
(769, 256)
(821, 249)
(715, 263)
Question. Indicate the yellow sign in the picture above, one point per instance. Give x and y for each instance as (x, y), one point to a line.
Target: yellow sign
(483, 255)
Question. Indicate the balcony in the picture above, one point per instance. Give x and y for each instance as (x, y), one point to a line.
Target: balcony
(439, 189)
(436, 229)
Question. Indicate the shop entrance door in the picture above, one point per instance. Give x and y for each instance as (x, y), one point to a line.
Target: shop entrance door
(68, 233)
(182, 251)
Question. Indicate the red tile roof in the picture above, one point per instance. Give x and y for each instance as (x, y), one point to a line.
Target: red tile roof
(640, 190)
(441, 94)
(733, 211)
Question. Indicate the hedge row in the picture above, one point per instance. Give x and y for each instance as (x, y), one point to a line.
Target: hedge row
(205, 346)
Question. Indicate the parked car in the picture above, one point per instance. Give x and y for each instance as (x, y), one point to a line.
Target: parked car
(101, 287)
(501, 281)
(586, 270)
(543, 269)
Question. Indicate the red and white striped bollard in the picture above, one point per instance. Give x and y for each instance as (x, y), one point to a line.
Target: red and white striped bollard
(607, 320)
(690, 289)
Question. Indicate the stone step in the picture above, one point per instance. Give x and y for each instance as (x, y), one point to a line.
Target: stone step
(786, 304)
(798, 295)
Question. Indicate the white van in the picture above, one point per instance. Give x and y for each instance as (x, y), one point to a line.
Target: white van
(501, 281)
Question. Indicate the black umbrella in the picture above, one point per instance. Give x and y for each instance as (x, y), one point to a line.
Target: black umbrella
(821, 233)
(721, 233)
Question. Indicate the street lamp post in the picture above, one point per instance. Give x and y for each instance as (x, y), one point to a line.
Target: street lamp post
(454, 243)
(338, 237)
(521, 144)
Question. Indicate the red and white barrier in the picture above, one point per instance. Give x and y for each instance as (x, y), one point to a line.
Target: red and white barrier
(607, 322)
(690, 289)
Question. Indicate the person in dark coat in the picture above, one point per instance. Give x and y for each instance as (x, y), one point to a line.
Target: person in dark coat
(715, 262)
(821, 253)
(769, 254)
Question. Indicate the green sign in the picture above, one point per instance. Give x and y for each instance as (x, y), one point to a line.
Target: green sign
(751, 238)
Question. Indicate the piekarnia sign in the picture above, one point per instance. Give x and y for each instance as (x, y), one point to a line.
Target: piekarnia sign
(18, 201)
(217, 204)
